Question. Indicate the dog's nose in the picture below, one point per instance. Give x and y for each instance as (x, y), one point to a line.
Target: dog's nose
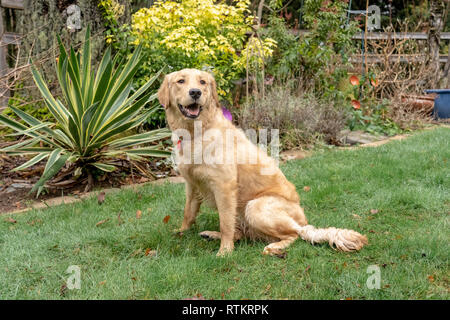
(195, 93)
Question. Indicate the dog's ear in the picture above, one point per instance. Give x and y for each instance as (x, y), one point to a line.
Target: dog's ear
(163, 93)
(214, 94)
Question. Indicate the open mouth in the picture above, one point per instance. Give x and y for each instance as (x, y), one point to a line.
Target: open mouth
(191, 111)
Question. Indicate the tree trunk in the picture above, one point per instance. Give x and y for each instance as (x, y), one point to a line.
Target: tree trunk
(437, 8)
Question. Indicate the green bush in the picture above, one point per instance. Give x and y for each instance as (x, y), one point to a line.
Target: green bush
(198, 34)
(89, 131)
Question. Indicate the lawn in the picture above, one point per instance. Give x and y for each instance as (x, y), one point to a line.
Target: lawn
(397, 194)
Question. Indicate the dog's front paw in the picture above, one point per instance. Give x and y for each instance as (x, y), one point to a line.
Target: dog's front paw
(225, 250)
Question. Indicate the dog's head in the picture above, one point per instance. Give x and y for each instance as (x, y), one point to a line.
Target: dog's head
(190, 92)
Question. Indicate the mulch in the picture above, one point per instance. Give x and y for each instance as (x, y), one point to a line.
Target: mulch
(15, 187)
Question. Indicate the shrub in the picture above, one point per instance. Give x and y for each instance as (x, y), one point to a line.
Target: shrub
(325, 50)
(90, 124)
(301, 120)
(197, 34)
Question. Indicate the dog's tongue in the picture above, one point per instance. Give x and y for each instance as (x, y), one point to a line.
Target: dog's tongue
(193, 111)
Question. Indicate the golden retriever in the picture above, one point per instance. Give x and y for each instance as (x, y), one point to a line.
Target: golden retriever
(225, 170)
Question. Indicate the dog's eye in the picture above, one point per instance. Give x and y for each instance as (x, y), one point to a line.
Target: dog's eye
(202, 82)
(181, 81)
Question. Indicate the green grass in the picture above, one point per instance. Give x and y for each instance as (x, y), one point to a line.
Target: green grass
(407, 181)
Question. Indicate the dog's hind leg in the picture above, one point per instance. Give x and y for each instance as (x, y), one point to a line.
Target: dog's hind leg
(272, 216)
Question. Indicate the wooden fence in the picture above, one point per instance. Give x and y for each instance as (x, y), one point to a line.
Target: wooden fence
(6, 38)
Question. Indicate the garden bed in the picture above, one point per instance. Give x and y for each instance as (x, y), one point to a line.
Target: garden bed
(15, 186)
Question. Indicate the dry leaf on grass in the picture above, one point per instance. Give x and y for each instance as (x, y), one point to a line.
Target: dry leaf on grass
(373, 211)
(306, 188)
(10, 220)
(166, 219)
(150, 252)
(138, 214)
(101, 222)
(63, 290)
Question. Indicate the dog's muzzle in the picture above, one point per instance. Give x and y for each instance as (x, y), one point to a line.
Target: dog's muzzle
(191, 111)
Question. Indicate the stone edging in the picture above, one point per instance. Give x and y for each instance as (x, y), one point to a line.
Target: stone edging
(72, 199)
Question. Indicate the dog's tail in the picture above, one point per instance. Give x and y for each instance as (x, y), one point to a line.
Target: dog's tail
(342, 239)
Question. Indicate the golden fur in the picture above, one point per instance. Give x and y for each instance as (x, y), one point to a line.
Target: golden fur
(250, 203)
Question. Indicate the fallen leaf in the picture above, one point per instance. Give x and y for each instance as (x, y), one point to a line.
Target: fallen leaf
(101, 222)
(119, 220)
(166, 219)
(101, 197)
(307, 269)
(430, 278)
(150, 252)
(306, 188)
(268, 287)
(387, 286)
(101, 283)
(373, 211)
(11, 220)
(138, 214)
(356, 216)
(63, 290)
(143, 179)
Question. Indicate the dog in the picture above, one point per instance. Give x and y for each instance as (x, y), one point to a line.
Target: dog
(253, 197)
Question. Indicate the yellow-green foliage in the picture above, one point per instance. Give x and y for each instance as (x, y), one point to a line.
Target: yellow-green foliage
(199, 34)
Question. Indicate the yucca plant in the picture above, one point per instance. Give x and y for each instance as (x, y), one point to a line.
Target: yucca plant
(95, 111)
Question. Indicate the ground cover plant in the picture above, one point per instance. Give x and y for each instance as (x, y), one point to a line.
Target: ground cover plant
(126, 247)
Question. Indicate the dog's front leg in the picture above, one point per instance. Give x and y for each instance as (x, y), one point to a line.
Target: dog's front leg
(190, 208)
(226, 202)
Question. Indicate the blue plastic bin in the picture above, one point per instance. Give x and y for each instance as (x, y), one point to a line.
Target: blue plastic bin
(441, 103)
